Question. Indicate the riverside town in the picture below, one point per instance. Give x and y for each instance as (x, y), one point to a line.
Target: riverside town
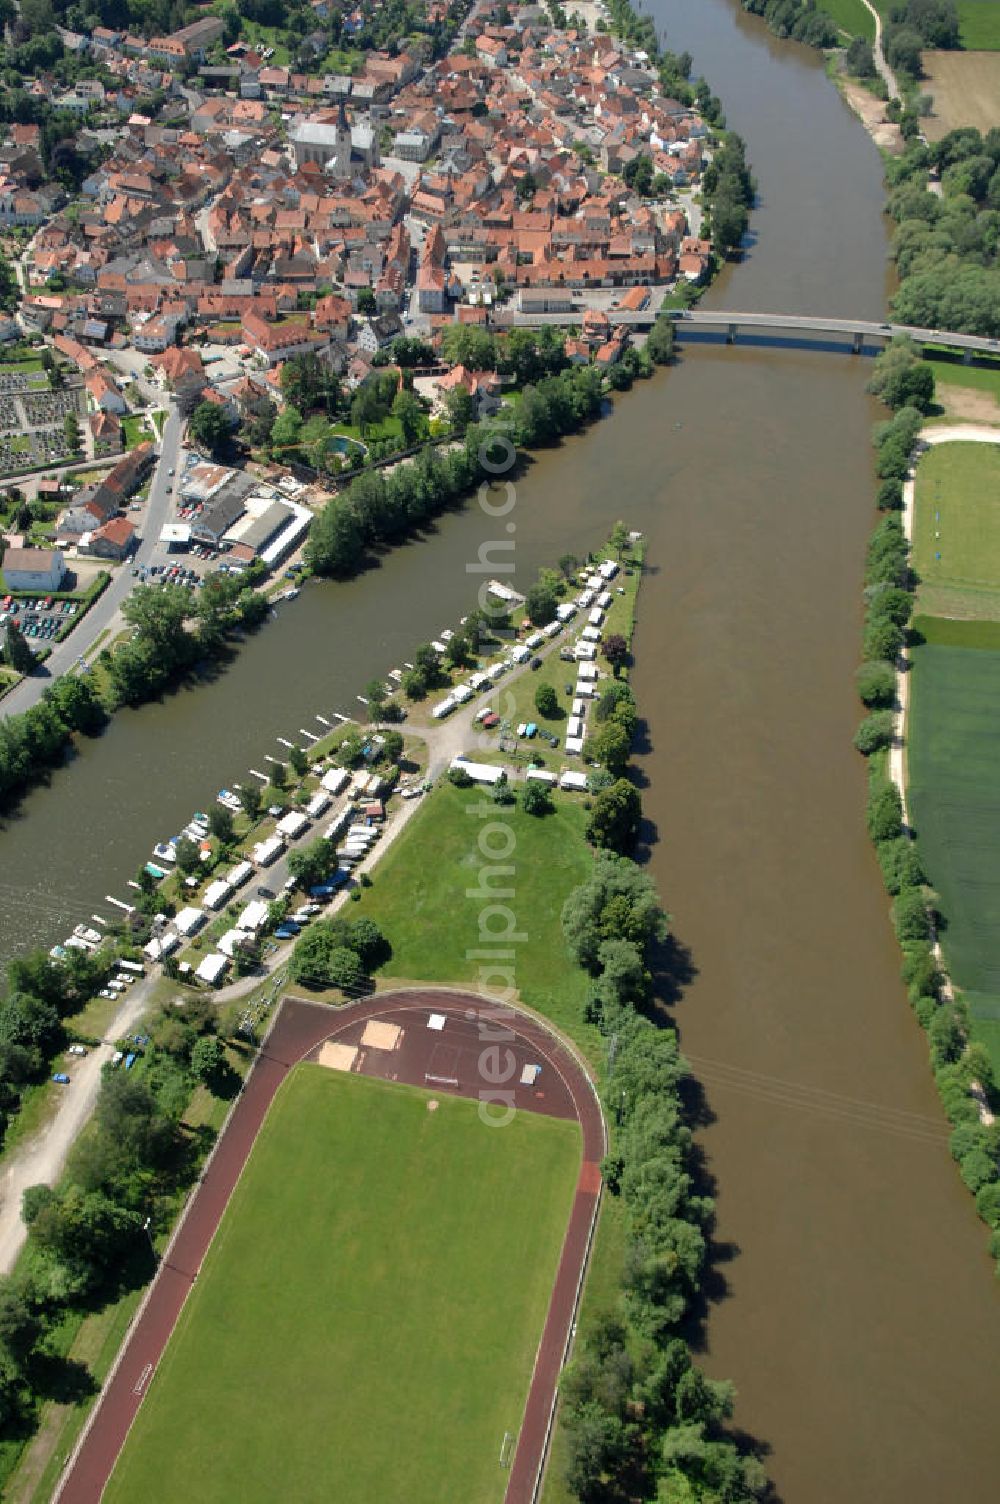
(499, 795)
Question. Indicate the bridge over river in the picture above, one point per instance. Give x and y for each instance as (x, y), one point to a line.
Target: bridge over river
(774, 326)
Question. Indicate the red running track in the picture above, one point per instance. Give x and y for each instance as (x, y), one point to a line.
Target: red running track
(448, 1060)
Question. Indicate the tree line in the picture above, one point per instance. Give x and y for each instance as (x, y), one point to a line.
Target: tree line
(957, 1061)
(641, 1420)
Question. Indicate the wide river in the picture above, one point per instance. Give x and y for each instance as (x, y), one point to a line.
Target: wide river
(856, 1308)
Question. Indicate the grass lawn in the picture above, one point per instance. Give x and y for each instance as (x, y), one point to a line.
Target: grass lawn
(851, 16)
(382, 1350)
(422, 907)
(953, 760)
(979, 22)
(956, 538)
(133, 431)
(966, 392)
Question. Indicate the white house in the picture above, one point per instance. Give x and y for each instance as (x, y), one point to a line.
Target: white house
(34, 569)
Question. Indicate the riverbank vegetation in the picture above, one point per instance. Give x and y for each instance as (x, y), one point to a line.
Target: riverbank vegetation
(963, 1070)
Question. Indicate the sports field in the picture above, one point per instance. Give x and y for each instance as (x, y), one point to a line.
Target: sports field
(953, 764)
(956, 533)
(365, 1324)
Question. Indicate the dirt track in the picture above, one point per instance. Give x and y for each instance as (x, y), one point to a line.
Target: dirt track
(450, 1061)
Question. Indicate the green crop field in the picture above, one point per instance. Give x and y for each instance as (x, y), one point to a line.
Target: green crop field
(956, 534)
(366, 1322)
(979, 22)
(954, 793)
(851, 16)
(423, 905)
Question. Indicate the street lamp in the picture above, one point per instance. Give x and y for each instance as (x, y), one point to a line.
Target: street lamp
(146, 1227)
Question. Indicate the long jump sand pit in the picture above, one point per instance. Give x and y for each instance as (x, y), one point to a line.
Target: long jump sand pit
(379, 1035)
(337, 1057)
(965, 87)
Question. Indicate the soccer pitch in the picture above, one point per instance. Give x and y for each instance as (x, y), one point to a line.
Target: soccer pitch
(953, 761)
(366, 1321)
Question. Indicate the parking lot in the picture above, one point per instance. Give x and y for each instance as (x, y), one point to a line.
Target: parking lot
(38, 616)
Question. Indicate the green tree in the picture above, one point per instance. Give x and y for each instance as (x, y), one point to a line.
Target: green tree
(877, 684)
(299, 761)
(249, 796)
(876, 730)
(901, 378)
(220, 824)
(536, 799)
(16, 650)
(410, 414)
(208, 1059)
(540, 603)
(311, 865)
(209, 427)
(619, 538)
(660, 341)
(616, 817)
(20, 1328)
(188, 855)
(345, 970)
(546, 701)
(286, 430)
(392, 746)
(609, 745)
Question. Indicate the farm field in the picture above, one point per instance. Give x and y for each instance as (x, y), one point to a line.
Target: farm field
(852, 17)
(965, 87)
(383, 1350)
(979, 24)
(956, 533)
(953, 766)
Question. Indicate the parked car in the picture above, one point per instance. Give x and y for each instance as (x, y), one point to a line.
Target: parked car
(77, 1049)
(61, 1077)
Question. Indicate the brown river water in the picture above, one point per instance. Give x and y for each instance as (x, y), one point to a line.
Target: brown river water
(856, 1307)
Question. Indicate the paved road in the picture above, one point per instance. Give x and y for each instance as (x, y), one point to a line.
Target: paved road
(780, 323)
(100, 616)
(299, 1027)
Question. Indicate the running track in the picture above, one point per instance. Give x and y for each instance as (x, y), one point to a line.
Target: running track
(452, 1059)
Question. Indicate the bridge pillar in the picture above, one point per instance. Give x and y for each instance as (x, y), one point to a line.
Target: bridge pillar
(858, 344)
(967, 357)
(731, 334)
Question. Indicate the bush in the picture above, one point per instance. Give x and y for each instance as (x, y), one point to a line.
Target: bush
(875, 731)
(909, 914)
(883, 640)
(460, 778)
(877, 684)
(885, 812)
